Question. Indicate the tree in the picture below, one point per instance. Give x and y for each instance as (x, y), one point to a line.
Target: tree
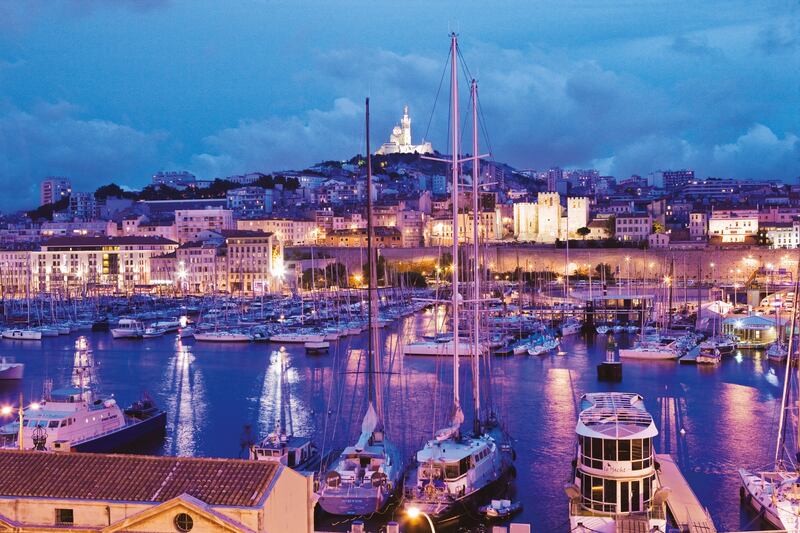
(112, 190)
(583, 232)
(604, 270)
(611, 226)
(658, 227)
(415, 279)
(45, 212)
(336, 274)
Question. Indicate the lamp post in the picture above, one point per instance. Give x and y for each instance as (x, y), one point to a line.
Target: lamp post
(415, 512)
(7, 410)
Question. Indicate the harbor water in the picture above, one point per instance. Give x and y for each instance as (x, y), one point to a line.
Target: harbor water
(712, 420)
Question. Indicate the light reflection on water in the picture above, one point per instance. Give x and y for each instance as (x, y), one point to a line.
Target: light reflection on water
(185, 402)
(728, 413)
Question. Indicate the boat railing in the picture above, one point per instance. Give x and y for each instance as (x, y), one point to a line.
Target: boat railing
(610, 509)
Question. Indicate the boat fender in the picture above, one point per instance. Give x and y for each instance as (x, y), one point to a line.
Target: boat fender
(513, 454)
(748, 499)
(513, 471)
(741, 493)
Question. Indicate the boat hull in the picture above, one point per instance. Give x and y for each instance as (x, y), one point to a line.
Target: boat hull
(140, 431)
(12, 372)
(356, 502)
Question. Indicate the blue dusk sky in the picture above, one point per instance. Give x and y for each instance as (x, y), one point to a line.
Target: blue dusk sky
(114, 90)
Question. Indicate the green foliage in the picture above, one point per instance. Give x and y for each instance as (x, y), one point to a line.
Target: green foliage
(112, 189)
(45, 212)
(583, 232)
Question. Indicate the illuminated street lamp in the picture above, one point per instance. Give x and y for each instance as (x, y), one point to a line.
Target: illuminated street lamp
(415, 512)
(7, 410)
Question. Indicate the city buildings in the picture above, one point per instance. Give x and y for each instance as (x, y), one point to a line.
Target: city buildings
(189, 223)
(634, 227)
(676, 179)
(120, 493)
(250, 201)
(733, 226)
(54, 189)
(546, 220)
(291, 232)
(107, 264)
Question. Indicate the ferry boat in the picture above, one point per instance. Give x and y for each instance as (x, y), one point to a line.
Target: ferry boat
(128, 328)
(615, 486)
(71, 419)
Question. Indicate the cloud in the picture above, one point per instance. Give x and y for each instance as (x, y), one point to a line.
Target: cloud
(53, 139)
(541, 109)
(281, 143)
(781, 37)
(693, 45)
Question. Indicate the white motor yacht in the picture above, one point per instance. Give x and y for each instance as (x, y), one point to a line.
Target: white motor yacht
(128, 328)
(22, 334)
(615, 486)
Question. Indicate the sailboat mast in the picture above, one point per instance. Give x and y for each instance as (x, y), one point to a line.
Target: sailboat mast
(789, 362)
(375, 393)
(476, 293)
(455, 168)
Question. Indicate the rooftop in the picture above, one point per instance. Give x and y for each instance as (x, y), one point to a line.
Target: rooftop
(616, 415)
(83, 476)
(100, 240)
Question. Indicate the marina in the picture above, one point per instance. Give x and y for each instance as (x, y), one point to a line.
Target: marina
(212, 391)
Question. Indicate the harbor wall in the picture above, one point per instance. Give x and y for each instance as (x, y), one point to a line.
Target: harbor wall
(729, 264)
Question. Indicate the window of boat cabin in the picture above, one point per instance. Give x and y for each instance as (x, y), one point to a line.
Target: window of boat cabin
(594, 451)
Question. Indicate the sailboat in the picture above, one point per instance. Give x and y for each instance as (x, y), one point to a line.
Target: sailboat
(775, 494)
(365, 476)
(458, 470)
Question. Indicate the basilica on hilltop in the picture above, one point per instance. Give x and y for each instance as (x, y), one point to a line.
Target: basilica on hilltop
(400, 140)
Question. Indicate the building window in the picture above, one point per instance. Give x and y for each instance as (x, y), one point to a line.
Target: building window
(64, 517)
(183, 522)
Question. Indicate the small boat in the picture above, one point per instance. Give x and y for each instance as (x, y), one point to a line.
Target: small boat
(10, 370)
(153, 332)
(317, 347)
(168, 325)
(777, 353)
(297, 337)
(500, 509)
(128, 328)
(22, 334)
(48, 331)
(570, 326)
(289, 450)
(188, 331)
(222, 336)
(708, 356)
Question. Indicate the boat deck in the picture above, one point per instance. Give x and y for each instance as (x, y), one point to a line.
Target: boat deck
(689, 515)
(691, 356)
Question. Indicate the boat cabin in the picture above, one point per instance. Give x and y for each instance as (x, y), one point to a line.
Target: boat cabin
(284, 449)
(615, 470)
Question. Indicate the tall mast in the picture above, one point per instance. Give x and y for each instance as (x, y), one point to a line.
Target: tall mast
(457, 415)
(375, 392)
(789, 362)
(476, 293)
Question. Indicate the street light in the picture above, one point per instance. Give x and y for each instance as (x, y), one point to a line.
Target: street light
(415, 512)
(7, 410)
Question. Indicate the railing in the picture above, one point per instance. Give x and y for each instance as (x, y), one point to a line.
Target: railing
(576, 509)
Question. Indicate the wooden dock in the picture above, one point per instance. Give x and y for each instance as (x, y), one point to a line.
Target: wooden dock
(689, 515)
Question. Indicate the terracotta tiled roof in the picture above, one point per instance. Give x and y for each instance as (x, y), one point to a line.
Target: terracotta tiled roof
(133, 478)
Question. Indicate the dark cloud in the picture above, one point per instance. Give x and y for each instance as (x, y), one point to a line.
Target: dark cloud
(540, 109)
(53, 139)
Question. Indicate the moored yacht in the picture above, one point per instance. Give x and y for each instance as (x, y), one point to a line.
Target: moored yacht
(615, 486)
(298, 453)
(458, 471)
(22, 334)
(366, 475)
(128, 328)
(651, 349)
